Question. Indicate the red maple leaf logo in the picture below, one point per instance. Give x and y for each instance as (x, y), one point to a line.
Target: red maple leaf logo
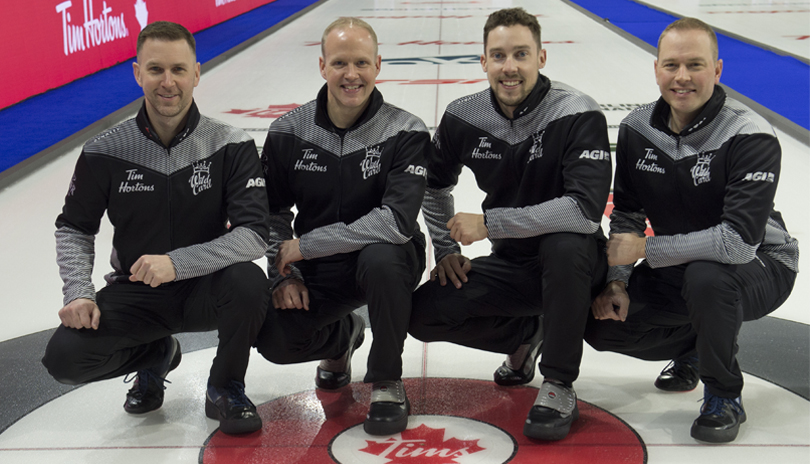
(271, 112)
(422, 445)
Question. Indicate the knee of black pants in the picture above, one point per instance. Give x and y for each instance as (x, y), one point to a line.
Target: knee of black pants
(247, 285)
(602, 336)
(426, 322)
(247, 278)
(565, 251)
(708, 287)
(278, 338)
(385, 264)
(61, 358)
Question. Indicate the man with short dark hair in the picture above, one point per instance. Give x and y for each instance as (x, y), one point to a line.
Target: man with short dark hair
(540, 151)
(703, 168)
(354, 167)
(186, 198)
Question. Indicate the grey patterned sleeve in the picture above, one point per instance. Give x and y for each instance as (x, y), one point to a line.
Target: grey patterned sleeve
(241, 244)
(280, 230)
(75, 253)
(557, 215)
(378, 226)
(437, 208)
(720, 243)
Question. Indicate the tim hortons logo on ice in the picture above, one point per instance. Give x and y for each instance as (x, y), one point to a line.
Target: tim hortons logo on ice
(94, 31)
(423, 445)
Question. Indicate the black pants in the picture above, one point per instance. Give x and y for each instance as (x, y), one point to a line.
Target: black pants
(496, 309)
(136, 317)
(695, 308)
(381, 275)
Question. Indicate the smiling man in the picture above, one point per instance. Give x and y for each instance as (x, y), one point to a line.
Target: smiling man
(170, 180)
(703, 168)
(539, 150)
(354, 168)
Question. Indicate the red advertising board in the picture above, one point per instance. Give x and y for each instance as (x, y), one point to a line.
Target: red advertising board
(47, 43)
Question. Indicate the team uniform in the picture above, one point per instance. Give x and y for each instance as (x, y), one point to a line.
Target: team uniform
(357, 192)
(200, 201)
(546, 174)
(721, 254)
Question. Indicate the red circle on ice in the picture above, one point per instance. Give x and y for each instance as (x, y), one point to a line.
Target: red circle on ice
(454, 421)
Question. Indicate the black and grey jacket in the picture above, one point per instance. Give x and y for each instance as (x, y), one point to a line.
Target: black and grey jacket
(547, 170)
(175, 200)
(352, 187)
(708, 191)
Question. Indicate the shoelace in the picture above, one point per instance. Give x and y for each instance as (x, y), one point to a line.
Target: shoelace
(236, 394)
(713, 405)
(142, 383)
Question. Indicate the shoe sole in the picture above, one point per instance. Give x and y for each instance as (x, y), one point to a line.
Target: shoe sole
(388, 428)
(542, 432)
(138, 412)
(233, 427)
(670, 389)
(711, 435)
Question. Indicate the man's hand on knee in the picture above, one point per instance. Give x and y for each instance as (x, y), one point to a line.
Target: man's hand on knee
(80, 313)
(454, 267)
(612, 303)
(291, 294)
(153, 270)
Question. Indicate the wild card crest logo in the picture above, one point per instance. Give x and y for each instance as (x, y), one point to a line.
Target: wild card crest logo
(422, 445)
(701, 171)
(371, 163)
(201, 177)
(536, 151)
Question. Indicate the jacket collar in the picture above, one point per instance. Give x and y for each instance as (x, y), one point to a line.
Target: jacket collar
(541, 88)
(142, 120)
(322, 117)
(662, 112)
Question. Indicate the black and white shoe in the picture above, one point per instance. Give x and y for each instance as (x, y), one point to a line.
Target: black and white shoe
(388, 413)
(525, 357)
(336, 373)
(232, 408)
(147, 392)
(554, 410)
(719, 420)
